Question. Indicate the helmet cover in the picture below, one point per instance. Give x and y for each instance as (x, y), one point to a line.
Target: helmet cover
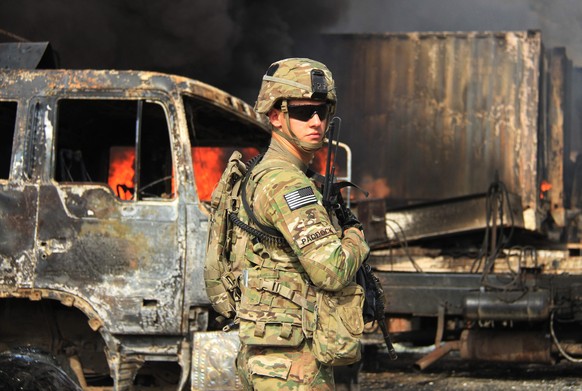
(296, 78)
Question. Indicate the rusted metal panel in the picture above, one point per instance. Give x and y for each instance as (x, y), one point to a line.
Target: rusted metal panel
(127, 263)
(445, 112)
(373, 215)
(558, 132)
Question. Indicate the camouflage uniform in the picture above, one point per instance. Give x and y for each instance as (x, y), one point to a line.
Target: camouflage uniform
(276, 308)
(283, 369)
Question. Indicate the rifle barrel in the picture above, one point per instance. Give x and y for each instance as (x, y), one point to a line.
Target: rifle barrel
(328, 182)
(391, 351)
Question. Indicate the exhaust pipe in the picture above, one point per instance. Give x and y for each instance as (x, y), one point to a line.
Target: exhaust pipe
(436, 354)
(498, 346)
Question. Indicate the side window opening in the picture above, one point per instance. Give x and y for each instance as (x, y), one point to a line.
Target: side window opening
(122, 143)
(7, 125)
(215, 134)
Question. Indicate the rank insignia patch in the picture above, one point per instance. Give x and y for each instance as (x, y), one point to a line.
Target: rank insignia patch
(298, 198)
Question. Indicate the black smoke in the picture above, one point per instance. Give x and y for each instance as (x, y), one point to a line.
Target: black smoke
(227, 43)
(559, 20)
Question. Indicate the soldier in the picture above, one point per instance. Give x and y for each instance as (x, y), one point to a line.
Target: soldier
(298, 97)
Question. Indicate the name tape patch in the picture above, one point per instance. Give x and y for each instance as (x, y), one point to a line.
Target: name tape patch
(298, 198)
(306, 239)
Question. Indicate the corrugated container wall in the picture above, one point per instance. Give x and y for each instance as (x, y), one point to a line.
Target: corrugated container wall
(439, 115)
(557, 133)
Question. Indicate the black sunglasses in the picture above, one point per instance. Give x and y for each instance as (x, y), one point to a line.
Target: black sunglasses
(305, 112)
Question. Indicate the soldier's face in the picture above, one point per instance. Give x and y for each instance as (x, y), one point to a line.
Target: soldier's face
(308, 119)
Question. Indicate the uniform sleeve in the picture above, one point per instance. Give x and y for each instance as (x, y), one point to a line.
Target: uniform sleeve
(293, 206)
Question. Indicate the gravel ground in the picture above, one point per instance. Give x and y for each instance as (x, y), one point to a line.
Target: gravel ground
(452, 373)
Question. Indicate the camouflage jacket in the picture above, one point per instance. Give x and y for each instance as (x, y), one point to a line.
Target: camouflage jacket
(276, 280)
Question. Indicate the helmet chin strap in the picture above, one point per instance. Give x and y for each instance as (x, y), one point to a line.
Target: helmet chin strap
(292, 138)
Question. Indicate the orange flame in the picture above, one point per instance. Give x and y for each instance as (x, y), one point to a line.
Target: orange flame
(319, 161)
(209, 163)
(121, 171)
(545, 186)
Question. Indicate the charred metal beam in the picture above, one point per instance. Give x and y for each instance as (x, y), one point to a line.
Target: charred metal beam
(424, 294)
(434, 219)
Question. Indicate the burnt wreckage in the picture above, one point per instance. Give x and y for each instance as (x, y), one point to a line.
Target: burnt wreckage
(474, 214)
(103, 224)
(473, 219)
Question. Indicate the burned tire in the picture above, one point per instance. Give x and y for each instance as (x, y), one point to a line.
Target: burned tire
(28, 369)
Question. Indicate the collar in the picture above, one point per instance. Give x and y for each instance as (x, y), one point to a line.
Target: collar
(277, 151)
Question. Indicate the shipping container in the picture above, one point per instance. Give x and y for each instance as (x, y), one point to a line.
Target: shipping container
(469, 145)
(449, 113)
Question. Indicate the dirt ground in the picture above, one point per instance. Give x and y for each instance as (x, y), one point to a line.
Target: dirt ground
(452, 373)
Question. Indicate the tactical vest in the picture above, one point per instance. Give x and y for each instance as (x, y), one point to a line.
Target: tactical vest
(277, 306)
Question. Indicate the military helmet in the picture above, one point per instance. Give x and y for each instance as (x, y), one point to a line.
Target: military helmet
(295, 78)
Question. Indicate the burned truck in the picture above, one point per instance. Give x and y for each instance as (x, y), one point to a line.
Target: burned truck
(474, 213)
(104, 178)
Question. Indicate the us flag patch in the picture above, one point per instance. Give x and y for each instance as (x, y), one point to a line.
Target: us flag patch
(298, 198)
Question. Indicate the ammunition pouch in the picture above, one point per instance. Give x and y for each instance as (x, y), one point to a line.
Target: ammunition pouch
(339, 326)
(279, 309)
(271, 309)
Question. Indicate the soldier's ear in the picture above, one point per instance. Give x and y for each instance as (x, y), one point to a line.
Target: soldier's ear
(276, 118)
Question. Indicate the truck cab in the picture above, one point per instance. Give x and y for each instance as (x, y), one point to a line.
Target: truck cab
(104, 178)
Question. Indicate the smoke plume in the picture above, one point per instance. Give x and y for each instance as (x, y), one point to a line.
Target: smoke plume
(559, 20)
(227, 43)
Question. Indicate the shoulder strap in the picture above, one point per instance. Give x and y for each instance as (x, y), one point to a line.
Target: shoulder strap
(315, 176)
(273, 233)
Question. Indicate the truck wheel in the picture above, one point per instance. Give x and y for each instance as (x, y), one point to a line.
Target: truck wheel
(29, 369)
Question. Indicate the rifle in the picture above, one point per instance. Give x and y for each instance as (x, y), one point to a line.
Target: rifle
(331, 189)
(374, 306)
(377, 311)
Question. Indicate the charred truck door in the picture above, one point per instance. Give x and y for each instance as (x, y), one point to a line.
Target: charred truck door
(109, 228)
(18, 203)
